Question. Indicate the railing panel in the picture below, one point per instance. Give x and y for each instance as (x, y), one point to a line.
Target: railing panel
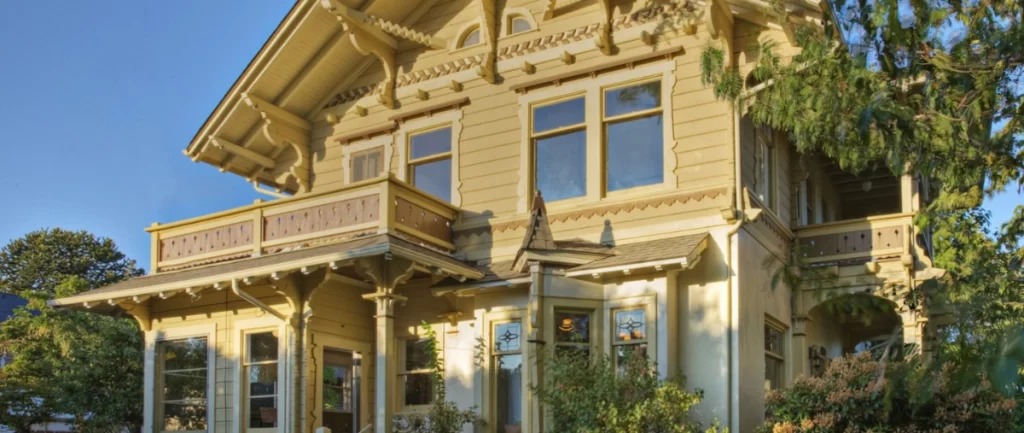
(322, 218)
(857, 239)
(423, 220)
(219, 239)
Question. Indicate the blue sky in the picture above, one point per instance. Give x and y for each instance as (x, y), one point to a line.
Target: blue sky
(97, 100)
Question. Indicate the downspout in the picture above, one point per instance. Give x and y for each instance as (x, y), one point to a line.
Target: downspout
(731, 287)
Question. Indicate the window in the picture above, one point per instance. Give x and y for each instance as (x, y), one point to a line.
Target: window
(415, 377)
(764, 166)
(629, 336)
(430, 162)
(634, 145)
(182, 384)
(341, 377)
(508, 380)
(367, 164)
(559, 138)
(572, 333)
(518, 24)
(774, 358)
(260, 373)
(472, 37)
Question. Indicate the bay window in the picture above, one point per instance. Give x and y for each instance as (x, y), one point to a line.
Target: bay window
(508, 381)
(260, 372)
(430, 161)
(182, 381)
(633, 136)
(559, 137)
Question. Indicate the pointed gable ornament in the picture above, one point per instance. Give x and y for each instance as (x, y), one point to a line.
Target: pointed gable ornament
(538, 235)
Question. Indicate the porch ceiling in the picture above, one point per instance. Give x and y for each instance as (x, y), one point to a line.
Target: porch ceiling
(219, 276)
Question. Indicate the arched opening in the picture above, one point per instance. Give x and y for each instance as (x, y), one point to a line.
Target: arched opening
(518, 24)
(850, 324)
(470, 37)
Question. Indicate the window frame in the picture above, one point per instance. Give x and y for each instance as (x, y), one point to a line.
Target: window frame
(450, 118)
(592, 88)
(765, 167)
(493, 370)
(400, 371)
(242, 329)
(594, 309)
(627, 117)
(561, 130)
(614, 343)
(151, 401)
(356, 147)
(334, 342)
(774, 325)
(510, 13)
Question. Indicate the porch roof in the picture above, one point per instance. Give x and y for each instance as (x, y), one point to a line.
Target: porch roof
(260, 266)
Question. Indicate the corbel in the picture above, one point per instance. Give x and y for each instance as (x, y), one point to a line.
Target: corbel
(290, 287)
(369, 40)
(455, 86)
(528, 68)
(386, 273)
(453, 314)
(568, 58)
(422, 95)
(488, 65)
(282, 129)
(648, 38)
(603, 40)
(361, 111)
(140, 312)
(332, 119)
(719, 21)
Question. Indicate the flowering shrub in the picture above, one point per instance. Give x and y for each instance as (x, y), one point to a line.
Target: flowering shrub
(860, 394)
(588, 395)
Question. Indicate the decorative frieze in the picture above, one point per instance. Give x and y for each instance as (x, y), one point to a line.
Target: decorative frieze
(326, 217)
(206, 242)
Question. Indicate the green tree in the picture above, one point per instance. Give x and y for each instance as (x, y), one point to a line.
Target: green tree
(68, 362)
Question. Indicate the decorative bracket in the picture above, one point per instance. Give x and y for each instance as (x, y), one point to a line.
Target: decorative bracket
(603, 40)
(386, 273)
(139, 312)
(283, 129)
(369, 40)
(488, 65)
(719, 21)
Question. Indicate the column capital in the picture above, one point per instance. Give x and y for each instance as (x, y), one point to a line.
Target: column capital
(385, 300)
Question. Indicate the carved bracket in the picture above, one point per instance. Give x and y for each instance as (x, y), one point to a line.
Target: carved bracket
(369, 40)
(139, 312)
(603, 41)
(719, 21)
(284, 129)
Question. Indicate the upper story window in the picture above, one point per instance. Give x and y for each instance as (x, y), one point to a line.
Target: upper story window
(367, 164)
(259, 370)
(774, 357)
(430, 161)
(764, 166)
(518, 24)
(415, 380)
(629, 335)
(634, 145)
(508, 376)
(470, 38)
(559, 136)
(183, 368)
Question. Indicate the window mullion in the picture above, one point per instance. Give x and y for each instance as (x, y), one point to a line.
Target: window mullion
(595, 143)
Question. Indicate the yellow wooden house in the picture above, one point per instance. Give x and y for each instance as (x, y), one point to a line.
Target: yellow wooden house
(524, 175)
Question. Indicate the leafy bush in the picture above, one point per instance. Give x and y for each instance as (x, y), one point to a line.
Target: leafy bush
(860, 394)
(444, 416)
(589, 395)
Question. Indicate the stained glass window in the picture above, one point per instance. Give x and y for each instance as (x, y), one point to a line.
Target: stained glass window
(629, 331)
(508, 380)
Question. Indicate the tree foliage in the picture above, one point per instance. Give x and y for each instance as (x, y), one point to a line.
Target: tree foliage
(65, 360)
(589, 395)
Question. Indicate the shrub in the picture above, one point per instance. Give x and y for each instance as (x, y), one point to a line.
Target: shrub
(860, 394)
(588, 395)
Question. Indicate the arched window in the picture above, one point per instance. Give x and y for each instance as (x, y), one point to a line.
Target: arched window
(518, 24)
(470, 37)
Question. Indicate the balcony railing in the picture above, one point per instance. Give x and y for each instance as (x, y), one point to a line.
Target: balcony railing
(866, 239)
(381, 205)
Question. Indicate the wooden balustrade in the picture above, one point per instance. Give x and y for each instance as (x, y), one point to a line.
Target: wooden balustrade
(867, 238)
(382, 205)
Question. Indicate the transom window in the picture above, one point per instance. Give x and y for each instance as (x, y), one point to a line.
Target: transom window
(471, 37)
(260, 373)
(774, 357)
(367, 164)
(629, 331)
(518, 24)
(573, 333)
(414, 376)
(634, 142)
(508, 381)
(559, 136)
(430, 162)
(182, 383)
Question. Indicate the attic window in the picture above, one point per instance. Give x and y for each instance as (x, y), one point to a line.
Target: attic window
(518, 24)
(470, 38)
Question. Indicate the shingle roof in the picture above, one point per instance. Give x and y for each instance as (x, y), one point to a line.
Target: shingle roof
(538, 231)
(650, 251)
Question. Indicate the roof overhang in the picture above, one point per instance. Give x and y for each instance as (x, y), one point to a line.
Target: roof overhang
(219, 277)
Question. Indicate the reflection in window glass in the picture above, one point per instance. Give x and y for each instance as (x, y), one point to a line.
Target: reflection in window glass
(573, 327)
(508, 369)
(562, 114)
(471, 38)
(561, 166)
(430, 163)
(260, 370)
(183, 381)
(367, 164)
(634, 142)
(416, 380)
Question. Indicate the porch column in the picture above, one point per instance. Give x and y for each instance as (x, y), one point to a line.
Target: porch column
(913, 329)
(800, 354)
(386, 273)
(535, 339)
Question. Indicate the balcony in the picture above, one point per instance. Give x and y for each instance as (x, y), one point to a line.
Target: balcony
(866, 239)
(374, 206)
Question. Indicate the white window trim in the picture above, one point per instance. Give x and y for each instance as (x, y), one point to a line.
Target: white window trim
(509, 13)
(452, 117)
(149, 398)
(385, 141)
(485, 397)
(593, 92)
(249, 326)
(334, 342)
(464, 30)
